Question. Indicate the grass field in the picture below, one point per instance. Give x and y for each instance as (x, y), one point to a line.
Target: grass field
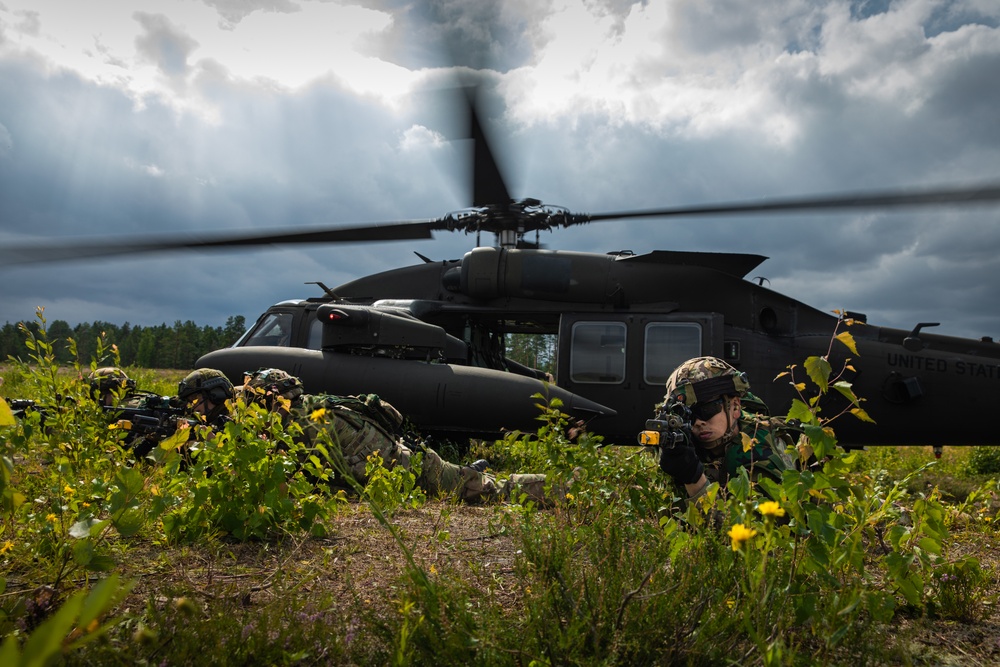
(877, 559)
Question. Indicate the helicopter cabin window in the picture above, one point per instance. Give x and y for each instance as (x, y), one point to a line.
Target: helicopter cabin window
(597, 354)
(315, 341)
(668, 345)
(274, 331)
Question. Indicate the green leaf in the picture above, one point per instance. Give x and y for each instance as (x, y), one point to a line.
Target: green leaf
(846, 390)
(83, 552)
(821, 438)
(101, 563)
(8, 653)
(129, 522)
(801, 412)
(930, 545)
(100, 598)
(819, 371)
(46, 640)
(131, 481)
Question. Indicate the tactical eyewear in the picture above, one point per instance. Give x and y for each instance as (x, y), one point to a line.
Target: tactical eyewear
(707, 409)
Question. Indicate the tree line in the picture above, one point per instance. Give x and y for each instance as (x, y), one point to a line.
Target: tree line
(177, 346)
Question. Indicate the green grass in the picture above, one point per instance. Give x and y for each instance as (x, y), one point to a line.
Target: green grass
(236, 560)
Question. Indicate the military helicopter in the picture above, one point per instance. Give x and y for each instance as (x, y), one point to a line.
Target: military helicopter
(431, 338)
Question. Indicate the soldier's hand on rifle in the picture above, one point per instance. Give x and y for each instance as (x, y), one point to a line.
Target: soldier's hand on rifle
(681, 462)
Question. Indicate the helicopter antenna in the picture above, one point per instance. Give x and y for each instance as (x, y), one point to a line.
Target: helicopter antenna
(326, 290)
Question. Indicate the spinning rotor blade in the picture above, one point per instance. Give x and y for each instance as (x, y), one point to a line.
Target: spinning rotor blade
(488, 186)
(858, 200)
(91, 247)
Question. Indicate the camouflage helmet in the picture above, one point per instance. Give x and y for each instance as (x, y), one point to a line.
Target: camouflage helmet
(108, 379)
(273, 381)
(704, 379)
(213, 383)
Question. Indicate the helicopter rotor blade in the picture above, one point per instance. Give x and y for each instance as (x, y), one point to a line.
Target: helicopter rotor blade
(488, 186)
(91, 247)
(814, 204)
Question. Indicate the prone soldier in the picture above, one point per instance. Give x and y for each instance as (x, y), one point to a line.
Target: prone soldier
(365, 425)
(146, 417)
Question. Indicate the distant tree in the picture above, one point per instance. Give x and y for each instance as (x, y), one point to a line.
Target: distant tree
(533, 350)
(236, 326)
(128, 344)
(160, 346)
(146, 352)
(59, 331)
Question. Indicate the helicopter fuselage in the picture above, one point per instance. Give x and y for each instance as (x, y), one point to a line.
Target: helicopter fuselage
(422, 334)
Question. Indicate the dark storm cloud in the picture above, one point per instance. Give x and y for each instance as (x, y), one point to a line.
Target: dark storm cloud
(788, 102)
(320, 157)
(487, 34)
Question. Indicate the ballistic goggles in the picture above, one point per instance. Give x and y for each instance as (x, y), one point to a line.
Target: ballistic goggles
(705, 410)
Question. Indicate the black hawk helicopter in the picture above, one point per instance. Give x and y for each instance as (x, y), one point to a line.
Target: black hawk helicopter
(430, 338)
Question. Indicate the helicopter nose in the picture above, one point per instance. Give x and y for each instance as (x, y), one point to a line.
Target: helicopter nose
(578, 406)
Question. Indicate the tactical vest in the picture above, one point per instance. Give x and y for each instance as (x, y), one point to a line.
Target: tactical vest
(358, 425)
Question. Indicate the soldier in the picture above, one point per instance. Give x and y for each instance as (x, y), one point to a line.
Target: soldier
(724, 436)
(107, 385)
(205, 391)
(365, 425)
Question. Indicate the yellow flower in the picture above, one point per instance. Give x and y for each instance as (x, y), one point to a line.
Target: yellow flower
(770, 508)
(68, 490)
(51, 518)
(740, 534)
(569, 496)
(7, 546)
(317, 414)
(434, 570)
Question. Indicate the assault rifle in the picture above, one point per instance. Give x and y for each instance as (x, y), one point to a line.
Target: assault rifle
(670, 427)
(22, 406)
(148, 419)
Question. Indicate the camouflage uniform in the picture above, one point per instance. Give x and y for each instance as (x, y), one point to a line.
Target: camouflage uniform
(364, 425)
(767, 453)
(704, 379)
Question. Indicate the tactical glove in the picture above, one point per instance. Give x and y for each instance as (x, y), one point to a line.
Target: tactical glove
(681, 463)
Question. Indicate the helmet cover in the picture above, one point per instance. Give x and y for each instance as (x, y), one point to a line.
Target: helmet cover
(704, 379)
(108, 379)
(274, 381)
(213, 383)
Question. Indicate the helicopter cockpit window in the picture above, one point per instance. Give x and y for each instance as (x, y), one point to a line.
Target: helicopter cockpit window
(598, 352)
(668, 345)
(275, 331)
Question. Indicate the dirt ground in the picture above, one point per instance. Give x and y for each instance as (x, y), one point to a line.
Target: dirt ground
(359, 554)
(470, 543)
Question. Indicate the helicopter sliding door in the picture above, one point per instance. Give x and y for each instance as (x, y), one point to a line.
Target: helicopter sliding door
(623, 360)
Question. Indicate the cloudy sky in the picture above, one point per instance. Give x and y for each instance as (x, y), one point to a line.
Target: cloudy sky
(131, 117)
